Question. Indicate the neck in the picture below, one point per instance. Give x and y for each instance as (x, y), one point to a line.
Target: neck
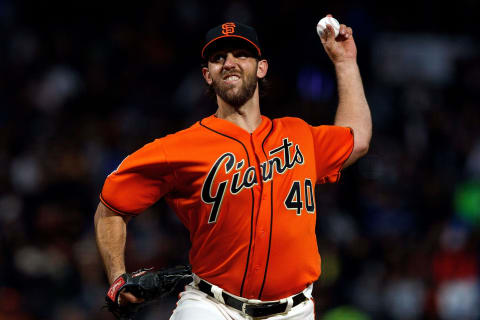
(247, 116)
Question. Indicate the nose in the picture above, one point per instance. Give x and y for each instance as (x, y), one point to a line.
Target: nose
(230, 61)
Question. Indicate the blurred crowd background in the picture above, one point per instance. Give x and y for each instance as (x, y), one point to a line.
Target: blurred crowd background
(85, 83)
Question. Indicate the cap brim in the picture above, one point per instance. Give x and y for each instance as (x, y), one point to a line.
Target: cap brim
(210, 45)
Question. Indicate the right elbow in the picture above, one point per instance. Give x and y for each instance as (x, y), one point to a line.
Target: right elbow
(361, 142)
(361, 149)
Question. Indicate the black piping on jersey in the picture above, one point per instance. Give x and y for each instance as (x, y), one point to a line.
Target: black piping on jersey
(271, 218)
(112, 208)
(253, 204)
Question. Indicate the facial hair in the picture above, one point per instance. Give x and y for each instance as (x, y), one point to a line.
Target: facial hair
(229, 95)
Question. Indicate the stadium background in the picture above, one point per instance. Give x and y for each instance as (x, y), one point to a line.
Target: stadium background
(85, 83)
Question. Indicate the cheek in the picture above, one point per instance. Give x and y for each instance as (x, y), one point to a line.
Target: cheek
(212, 74)
(213, 77)
(216, 74)
(248, 71)
(253, 74)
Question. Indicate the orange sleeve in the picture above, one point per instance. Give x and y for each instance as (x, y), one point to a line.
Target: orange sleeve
(333, 145)
(139, 181)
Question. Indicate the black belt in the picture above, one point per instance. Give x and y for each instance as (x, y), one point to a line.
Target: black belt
(262, 309)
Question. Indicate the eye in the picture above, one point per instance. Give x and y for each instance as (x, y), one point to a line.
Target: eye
(242, 53)
(217, 57)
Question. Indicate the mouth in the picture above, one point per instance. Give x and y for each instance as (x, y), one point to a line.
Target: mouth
(231, 78)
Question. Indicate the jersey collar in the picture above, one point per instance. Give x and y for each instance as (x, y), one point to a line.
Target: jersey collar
(232, 130)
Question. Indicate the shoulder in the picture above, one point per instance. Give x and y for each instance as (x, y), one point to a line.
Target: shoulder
(158, 145)
(290, 123)
(290, 120)
(297, 123)
(193, 130)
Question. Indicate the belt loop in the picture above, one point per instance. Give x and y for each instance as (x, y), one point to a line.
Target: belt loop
(244, 311)
(308, 291)
(289, 304)
(196, 279)
(217, 293)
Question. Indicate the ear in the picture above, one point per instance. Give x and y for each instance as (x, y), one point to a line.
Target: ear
(262, 68)
(206, 75)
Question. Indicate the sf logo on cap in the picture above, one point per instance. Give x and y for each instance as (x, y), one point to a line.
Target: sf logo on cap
(228, 28)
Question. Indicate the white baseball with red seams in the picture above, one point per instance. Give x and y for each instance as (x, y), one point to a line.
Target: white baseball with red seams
(322, 25)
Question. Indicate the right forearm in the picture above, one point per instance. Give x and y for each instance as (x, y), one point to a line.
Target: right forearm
(353, 110)
(111, 233)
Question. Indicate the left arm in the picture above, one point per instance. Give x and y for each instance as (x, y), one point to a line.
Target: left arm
(353, 110)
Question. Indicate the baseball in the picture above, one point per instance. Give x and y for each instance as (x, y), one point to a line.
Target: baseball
(322, 25)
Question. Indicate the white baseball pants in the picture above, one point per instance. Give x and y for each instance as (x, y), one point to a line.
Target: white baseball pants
(195, 304)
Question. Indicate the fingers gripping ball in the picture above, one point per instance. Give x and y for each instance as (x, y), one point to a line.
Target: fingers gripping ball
(322, 25)
(146, 284)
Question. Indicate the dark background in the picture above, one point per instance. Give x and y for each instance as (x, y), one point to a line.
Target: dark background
(85, 83)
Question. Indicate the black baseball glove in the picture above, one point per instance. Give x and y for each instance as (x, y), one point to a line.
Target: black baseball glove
(147, 284)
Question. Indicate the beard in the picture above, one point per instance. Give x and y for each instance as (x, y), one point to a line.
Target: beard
(236, 98)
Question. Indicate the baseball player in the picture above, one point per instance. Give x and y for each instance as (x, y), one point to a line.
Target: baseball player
(243, 185)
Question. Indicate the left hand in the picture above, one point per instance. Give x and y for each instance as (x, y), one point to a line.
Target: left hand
(342, 48)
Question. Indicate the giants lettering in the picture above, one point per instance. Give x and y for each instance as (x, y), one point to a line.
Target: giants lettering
(249, 177)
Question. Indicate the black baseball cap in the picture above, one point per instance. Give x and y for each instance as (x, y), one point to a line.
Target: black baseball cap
(231, 32)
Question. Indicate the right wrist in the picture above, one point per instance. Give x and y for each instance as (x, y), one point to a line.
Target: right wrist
(346, 65)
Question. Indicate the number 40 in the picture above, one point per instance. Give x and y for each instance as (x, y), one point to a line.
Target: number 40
(293, 201)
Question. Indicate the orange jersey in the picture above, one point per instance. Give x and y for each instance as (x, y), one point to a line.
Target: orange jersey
(247, 199)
